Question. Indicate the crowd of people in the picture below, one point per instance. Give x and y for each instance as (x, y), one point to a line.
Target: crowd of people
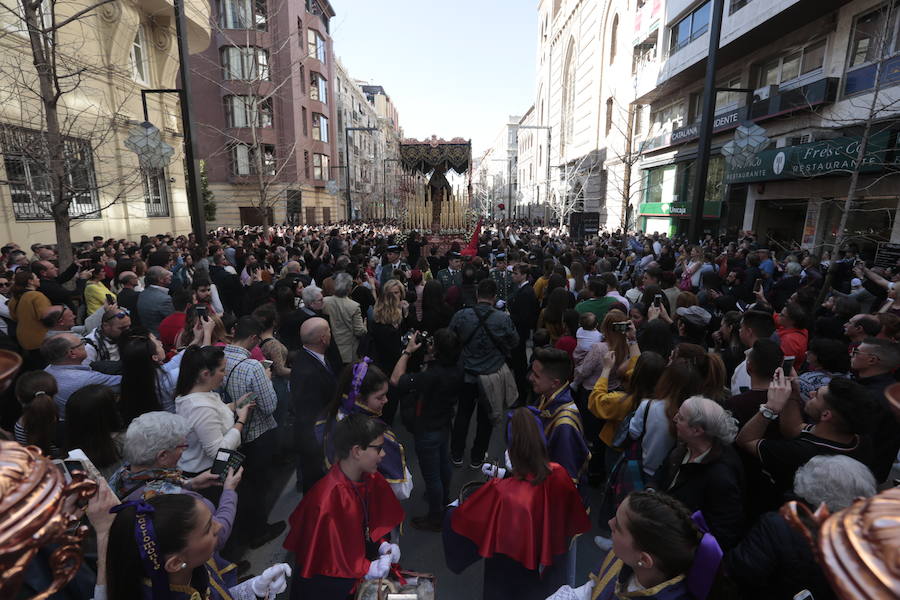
(697, 387)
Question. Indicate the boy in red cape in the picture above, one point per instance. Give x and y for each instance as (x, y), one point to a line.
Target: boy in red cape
(339, 530)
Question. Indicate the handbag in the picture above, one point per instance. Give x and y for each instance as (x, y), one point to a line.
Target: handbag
(627, 474)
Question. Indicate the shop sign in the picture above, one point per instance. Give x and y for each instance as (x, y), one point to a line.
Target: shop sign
(836, 156)
(722, 122)
(711, 209)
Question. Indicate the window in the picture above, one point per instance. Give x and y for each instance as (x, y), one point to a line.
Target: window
(318, 88)
(866, 45)
(689, 28)
(303, 115)
(320, 127)
(638, 126)
(568, 93)
(139, 64)
(724, 100)
(29, 180)
(643, 54)
(247, 63)
(613, 40)
(156, 195)
(315, 45)
(244, 159)
(791, 64)
(609, 114)
(737, 5)
(306, 163)
(248, 111)
(320, 166)
(243, 14)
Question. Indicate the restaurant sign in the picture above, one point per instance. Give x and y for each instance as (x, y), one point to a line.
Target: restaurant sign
(837, 156)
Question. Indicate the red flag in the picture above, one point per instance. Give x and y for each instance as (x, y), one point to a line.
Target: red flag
(472, 248)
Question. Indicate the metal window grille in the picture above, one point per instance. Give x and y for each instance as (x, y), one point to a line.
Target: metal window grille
(156, 194)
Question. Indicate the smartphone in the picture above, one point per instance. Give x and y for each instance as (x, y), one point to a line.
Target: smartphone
(757, 287)
(226, 459)
(657, 300)
(246, 401)
(621, 326)
(787, 365)
(202, 312)
(266, 364)
(110, 299)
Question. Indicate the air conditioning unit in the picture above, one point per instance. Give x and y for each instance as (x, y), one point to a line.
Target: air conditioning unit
(765, 92)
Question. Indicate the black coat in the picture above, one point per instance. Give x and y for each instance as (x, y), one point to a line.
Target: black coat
(289, 333)
(523, 309)
(715, 487)
(230, 289)
(54, 290)
(312, 386)
(128, 298)
(775, 562)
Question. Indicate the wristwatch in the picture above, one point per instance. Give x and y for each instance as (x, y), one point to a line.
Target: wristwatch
(767, 412)
(406, 353)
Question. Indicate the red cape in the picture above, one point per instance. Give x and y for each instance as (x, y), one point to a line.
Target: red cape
(327, 526)
(528, 523)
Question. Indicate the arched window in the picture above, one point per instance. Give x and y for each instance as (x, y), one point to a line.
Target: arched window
(613, 39)
(609, 114)
(568, 99)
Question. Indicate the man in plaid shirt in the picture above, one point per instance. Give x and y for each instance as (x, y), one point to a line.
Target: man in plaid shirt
(244, 375)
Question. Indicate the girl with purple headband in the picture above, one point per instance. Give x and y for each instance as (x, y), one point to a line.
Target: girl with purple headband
(363, 388)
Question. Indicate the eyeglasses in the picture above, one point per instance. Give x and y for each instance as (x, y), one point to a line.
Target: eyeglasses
(77, 345)
(182, 446)
(856, 351)
(379, 447)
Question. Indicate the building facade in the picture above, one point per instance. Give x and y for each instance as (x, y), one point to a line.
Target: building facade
(496, 180)
(823, 81)
(358, 126)
(266, 112)
(117, 49)
(391, 134)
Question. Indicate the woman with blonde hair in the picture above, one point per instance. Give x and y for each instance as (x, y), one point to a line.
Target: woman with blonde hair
(389, 322)
(623, 344)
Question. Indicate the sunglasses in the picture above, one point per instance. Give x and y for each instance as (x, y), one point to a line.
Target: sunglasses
(4, 284)
(121, 314)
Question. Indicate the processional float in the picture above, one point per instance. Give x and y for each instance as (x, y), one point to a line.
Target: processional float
(431, 202)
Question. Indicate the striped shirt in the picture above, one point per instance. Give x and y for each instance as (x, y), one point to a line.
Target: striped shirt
(244, 374)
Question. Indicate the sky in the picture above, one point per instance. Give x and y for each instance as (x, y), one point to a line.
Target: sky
(452, 69)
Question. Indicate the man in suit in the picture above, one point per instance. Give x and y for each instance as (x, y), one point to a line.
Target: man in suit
(154, 303)
(52, 281)
(523, 309)
(313, 385)
(452, 275)
(228, 283)
(128, 297)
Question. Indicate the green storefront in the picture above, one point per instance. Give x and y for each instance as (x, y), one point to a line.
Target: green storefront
(667, 191)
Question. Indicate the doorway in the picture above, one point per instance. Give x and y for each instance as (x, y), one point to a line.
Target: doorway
(780, 221)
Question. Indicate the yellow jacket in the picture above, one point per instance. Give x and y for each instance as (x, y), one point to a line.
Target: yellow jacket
(95, 295)
(611, 406)
(27, 312)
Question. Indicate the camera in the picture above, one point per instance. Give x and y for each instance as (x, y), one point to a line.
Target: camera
(621, 326)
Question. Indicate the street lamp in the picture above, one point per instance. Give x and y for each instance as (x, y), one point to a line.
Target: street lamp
(384, 181)
(347, 131)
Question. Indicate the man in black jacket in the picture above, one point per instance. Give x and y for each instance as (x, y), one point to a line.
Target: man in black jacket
(313, 385)
(128, 297)
(228, 284)
(52, 281)
(523, 309)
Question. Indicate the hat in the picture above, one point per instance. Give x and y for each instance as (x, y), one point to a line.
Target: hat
(694, 315)
(393, 248)
(452, 255)
(855, 282)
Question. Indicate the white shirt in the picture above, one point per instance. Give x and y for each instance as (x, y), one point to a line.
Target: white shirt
(741, 377)
(212, 427)
(321, 357)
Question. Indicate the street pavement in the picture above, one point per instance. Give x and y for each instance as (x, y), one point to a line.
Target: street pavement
(423, 551)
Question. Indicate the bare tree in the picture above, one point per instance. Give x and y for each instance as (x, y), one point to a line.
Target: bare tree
(568, 193)
(55, 141)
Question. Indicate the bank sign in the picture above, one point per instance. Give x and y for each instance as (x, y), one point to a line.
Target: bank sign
(836, 156)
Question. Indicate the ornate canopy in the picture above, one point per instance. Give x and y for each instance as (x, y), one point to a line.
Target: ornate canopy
(436, 155)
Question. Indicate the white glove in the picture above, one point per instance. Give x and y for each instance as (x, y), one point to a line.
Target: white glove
(507, 461)
(568, 593)
(392, 550)
(379, 568)
(493, 471)
(453, 504)
(500, 304)
(272, 581)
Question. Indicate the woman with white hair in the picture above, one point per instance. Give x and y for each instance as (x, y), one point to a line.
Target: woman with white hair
(345, 316)
(153, 445)
(703, 470)
(775, 561)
